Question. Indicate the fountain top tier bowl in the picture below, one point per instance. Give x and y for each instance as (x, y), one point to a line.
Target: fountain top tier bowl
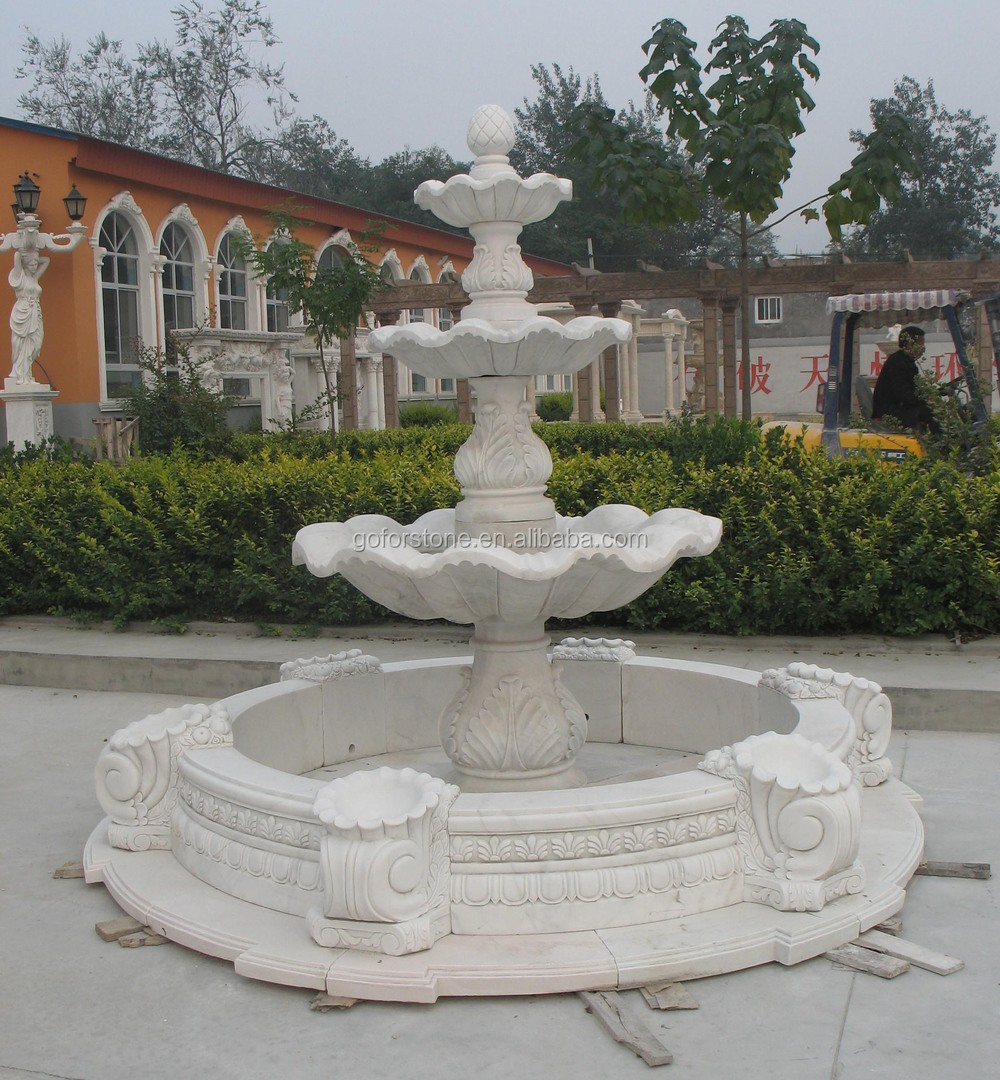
(499, 332)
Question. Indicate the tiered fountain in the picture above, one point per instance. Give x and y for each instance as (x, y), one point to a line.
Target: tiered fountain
(317, 833)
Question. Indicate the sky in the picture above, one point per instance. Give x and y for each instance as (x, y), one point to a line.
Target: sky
(393, 73)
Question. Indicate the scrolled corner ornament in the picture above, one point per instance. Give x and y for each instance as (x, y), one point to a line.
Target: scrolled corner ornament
(798, 817)
(384, 861)
(871, 711)
(137, 774)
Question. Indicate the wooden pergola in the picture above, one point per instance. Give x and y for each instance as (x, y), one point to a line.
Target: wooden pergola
(718, 291)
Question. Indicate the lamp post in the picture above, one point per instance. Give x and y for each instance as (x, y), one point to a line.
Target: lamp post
(29, 403)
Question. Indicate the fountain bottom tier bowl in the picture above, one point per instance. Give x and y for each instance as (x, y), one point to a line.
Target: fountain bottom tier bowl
(311, 832)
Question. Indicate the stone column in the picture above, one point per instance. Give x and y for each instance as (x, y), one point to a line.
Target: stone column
(710, 330)
(612, 388)
(630, 369)
(379, 394)
(390, 400)
(626, 387)
(729, 363)
(682, 364)
(349, 383)
(667, 330)
(583, 382)
(371, 393)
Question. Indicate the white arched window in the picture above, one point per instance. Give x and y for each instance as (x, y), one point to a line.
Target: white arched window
(178, 278)
(276, 302)
(232, 286)
(331, 258)
(120, 303)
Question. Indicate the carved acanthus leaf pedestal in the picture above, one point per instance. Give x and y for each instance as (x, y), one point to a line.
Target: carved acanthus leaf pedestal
(513, 724)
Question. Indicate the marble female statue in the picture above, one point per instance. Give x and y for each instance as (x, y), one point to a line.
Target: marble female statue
(26, 329)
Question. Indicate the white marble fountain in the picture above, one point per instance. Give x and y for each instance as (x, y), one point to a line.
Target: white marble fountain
(517, 821)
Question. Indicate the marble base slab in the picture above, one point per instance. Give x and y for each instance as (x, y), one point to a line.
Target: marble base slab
(274, 947)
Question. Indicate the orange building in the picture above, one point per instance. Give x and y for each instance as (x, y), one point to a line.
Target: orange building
(160, 259)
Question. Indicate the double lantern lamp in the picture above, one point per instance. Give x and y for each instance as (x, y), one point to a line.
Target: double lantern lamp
(26, 193)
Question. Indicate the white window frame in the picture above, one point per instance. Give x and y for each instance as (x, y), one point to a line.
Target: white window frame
(232, 267)
(772, 309)
(169, 266)
(125, 207)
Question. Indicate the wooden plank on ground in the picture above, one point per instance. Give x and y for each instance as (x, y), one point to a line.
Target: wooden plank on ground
(135, 941)
(668, 996)
(68, 870)
(853, 956)
(979, 870)
(114, 929)
(939, 963)
(606, 1008)
(893, 925)
(324, 1002)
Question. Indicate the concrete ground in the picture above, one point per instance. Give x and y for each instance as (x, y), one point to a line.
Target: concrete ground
(76, 1007)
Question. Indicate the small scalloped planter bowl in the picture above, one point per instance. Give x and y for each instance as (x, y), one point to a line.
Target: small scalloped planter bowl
(629, 880)
(375, 799)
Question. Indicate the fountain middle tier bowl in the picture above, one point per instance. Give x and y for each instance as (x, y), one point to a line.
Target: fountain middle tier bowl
(475, 348)
(429, 570)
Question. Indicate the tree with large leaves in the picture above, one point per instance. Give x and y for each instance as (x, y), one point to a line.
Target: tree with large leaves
(545, 137)
(949, 209)
(737, 134)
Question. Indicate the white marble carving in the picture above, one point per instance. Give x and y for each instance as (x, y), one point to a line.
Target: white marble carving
(384, 862)
(798, 819)
(864, 699)
(137, 771)
(552, 869)
(611, 650)
(339, 665)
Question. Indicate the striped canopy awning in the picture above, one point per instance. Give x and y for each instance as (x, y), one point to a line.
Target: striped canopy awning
(886, 308)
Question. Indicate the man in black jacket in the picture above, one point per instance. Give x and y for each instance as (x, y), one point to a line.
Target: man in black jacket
(896, 387)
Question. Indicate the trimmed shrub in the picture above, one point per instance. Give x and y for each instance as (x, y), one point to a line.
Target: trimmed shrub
(555, 406)
(426, 414)
(809, 546)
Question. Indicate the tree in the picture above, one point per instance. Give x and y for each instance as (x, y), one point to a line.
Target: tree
(204, 76)
(100, 93)
(306, 156)
(330, 298)
(545, 138)
(737, 136)
(187, 99)
(174, 407)
(388, 186)
(949, 209)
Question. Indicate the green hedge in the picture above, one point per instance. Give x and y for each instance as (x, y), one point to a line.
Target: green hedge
(810, 546)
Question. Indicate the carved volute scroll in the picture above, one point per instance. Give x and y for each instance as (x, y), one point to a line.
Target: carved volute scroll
(137, 772)
(384, 861)
(798, 820)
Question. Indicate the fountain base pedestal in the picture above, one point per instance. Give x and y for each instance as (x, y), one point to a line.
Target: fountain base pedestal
(513, 724)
